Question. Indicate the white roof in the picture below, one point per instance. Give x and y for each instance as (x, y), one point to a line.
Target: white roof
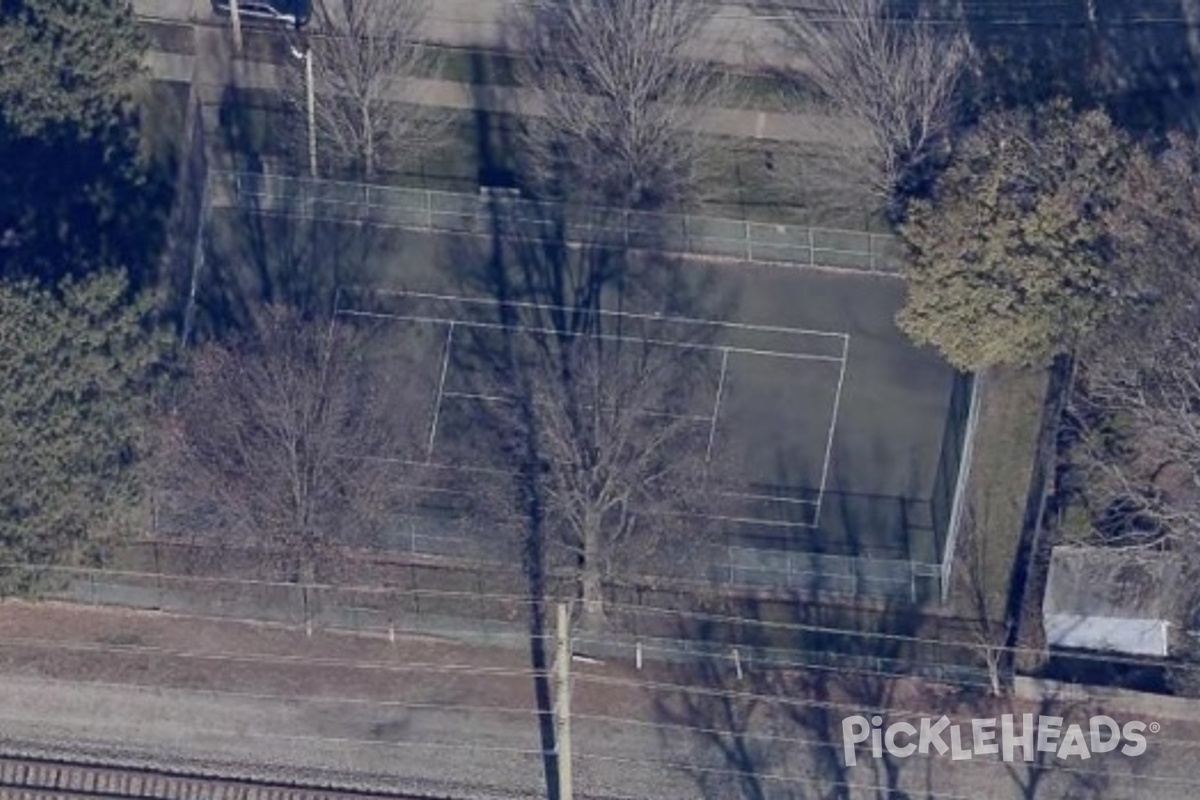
(1139, 637)
(1100, 598)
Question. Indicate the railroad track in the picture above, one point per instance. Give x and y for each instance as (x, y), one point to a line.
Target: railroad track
(24, 778)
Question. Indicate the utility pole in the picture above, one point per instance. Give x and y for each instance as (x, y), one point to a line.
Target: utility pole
(236, 16)
(310, 92)
(562, 704)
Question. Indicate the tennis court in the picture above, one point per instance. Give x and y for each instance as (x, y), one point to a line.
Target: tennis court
(835, 443)
(740, 374)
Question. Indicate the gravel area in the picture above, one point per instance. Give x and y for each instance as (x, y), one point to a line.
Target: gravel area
(425, 714)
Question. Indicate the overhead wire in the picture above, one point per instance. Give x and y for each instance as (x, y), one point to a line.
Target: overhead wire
(470, 670)
(747, 645)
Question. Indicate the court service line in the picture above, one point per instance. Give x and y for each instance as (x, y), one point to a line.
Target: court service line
(753, 521)
(600, 336)
(837, 400)
(769, 498)
(445, 467)
(437, 405)
(602, 312)
(492, 398)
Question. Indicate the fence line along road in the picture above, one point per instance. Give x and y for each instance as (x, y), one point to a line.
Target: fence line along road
(516, 217)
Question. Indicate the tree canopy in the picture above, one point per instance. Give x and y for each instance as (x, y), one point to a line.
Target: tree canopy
(80, 367)
(75, 194)
(66, 62)
(294, 436)
(1010, 261)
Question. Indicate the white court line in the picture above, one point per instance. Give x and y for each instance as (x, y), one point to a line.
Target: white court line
(430, 465)
(768, 497)
(601, 312)
(437, 405)
(600, 336)
(498, 398)
(837, 400)
(725, 350)
(753, 521)
(712, 432)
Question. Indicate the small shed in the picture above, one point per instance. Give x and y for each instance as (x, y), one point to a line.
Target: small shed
(1108, 599)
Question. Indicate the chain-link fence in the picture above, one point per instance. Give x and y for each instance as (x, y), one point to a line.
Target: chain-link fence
(494, 608)
(949, 489)
(818, 574)
(511, 215)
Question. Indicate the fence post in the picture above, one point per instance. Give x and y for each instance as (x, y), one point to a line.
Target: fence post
(812, 249)
(428, 210)
(749, 247)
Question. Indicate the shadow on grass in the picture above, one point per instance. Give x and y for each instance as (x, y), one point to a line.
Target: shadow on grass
(760, 714)
(1139, 60)
(73, 201)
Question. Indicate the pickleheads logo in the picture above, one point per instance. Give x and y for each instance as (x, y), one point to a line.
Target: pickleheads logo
(982, 737)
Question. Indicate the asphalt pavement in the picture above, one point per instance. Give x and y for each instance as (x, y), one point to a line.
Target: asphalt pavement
(735, 35)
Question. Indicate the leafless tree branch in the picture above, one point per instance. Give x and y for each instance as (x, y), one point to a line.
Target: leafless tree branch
(1134, 419)
(894, 81)
(621, 92)
(274, 433)
(363, 52)
(600, 442)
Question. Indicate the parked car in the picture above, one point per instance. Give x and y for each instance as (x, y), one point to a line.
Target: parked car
(290, 12)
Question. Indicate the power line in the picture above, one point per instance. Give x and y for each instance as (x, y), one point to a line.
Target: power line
(795, 628)
(277, 659)
(307, 699)
(821, 743)
(692, 767)
(658, 764)
(469, 670)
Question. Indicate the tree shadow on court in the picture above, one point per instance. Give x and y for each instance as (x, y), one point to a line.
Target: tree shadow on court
(268, 245)
(570, 340)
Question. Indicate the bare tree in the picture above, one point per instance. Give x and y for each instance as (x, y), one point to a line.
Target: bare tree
(1132, 454)
(1135, 413)
(364, 54)
(888, 86)
(286, 436)
(608, 462)
(621, 91)
(981, 599)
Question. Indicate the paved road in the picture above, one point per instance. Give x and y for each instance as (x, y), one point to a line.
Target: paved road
(215, 67)
(735, 35)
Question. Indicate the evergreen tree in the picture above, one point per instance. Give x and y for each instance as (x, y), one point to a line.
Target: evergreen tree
(79, 377)
(1011, 259)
